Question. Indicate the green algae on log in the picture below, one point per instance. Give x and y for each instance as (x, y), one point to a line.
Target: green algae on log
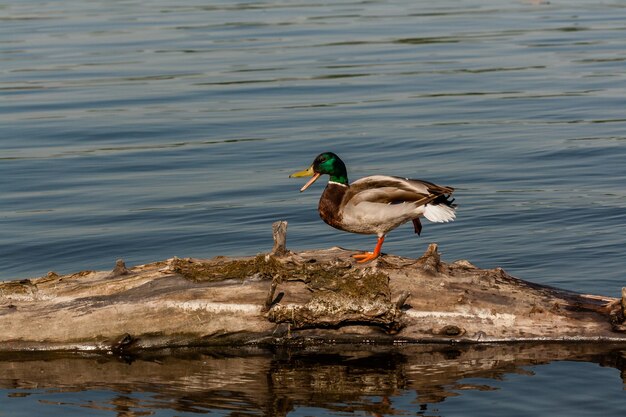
(286, 298)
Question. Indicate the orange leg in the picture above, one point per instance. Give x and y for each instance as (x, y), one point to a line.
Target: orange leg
(369, 256)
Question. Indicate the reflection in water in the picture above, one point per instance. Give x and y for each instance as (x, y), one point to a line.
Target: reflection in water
(259, 382)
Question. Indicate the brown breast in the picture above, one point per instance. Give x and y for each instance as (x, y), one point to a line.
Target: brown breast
(331, 203)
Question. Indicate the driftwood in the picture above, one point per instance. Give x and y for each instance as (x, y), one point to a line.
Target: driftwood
(305, 298)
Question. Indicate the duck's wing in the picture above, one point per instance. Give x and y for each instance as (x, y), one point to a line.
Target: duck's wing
(385, 189)
(393, 200)
(379, 203)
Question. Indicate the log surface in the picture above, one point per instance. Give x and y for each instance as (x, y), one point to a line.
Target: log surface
(319, 296)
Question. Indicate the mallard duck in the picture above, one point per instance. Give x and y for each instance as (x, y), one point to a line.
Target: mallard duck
(376, 204)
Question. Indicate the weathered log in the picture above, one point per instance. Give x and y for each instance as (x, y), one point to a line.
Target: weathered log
(323, 296)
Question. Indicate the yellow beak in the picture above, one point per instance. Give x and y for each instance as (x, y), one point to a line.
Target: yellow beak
(306, 173)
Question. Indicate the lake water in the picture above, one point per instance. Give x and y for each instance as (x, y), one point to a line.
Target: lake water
(144, 130)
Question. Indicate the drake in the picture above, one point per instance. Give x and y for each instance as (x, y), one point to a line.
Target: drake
(376, 204)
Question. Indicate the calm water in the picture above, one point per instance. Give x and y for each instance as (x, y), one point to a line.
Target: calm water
(147, 129)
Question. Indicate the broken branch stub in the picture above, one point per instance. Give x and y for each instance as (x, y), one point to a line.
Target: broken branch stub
(279, 233)
(430, 260)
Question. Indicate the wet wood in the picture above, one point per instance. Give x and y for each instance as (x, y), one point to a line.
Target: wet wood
(286, 298)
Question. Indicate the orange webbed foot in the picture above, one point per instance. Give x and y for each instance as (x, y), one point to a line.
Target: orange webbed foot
(370, 256)
(365, 257)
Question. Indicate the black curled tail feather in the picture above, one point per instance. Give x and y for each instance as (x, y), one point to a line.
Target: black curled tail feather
(445, 200)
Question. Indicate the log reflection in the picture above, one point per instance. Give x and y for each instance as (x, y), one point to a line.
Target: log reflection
(259, 382)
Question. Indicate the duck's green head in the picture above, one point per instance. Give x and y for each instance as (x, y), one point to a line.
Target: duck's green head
(325, 163)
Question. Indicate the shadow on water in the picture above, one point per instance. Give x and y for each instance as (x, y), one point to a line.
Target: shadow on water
(337, 379)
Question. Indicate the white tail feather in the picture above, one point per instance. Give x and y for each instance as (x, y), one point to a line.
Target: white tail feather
(439, 213)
